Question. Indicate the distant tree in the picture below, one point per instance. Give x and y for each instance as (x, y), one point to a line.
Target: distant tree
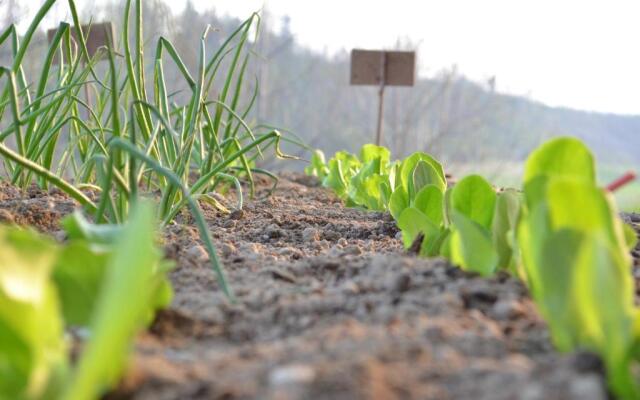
(12, 12)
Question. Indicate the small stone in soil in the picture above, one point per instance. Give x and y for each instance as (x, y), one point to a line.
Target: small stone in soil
(197, 253)
(237, 214)
(310, 234)
(228, 249)
(291, 374)
(282, 275)
(273, 231)
(507, 309)
(401, 283)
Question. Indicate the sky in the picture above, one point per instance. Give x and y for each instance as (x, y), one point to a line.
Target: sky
(581, 54)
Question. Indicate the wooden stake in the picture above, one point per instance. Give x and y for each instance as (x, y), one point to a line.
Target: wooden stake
(382, 80)
(620, 182)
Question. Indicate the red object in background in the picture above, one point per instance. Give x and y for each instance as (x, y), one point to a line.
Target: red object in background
(620, 182)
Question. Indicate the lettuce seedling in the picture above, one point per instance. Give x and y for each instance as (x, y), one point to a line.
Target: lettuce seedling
(413, 174)
(32, 347)
(341, 168)
(83, 265)
(575, 254)
(471, 246)
(317, 166)
(418, 202)
(364, 181)
(370, 187)
(503, 229)
(108, 279)
(374, 182)
(133, 286)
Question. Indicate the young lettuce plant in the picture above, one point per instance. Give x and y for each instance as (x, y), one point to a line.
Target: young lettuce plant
(340, 169)
(365, 181)
(107, 279)
(133, 286)
(413, 175)
(457, 223)
(472, 209)
(418, 203)
(317, 166)
(33, 352)
(371, 186)
(374, 182)
(575, 257)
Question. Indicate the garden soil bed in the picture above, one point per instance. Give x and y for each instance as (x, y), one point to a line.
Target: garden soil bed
(329, 306)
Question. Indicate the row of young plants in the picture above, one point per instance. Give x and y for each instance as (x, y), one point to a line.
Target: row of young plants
(138, 133)
(561, 234)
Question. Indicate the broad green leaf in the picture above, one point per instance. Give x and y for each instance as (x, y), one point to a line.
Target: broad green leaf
(554, 295)
(122, 307)
(349, 163)
(371, 195)
(398, 203)
(471, 246)
(432, 244)
(26, 262)
(341, 168)
(606, 312)
(32, 347)
(579, 205)
(335, 179)
(394, 175)
(317, 166)
(408, 166)
(445, 248)
(363, 187)
(370, 152)
(78, 275)
(448, 208)
(385, 192)
(474, 198)
(587, 208)
(429, 200)
(605, 309)
(504, 224)
(425, 174)
(412, 222)
(563, 157)
(630, 237)
(532, 231)
(77, 227)
(535, 190)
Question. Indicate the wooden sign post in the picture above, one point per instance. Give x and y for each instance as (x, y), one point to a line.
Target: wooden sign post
(97, 37)
(382, 68)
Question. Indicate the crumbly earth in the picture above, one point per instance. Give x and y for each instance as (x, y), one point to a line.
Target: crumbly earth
(329, 306)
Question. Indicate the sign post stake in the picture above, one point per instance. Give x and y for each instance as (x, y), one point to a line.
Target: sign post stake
(382, 68)
(380, 112)
(97, 36)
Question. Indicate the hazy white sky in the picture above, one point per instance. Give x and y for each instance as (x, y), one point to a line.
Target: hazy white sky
(578, 53)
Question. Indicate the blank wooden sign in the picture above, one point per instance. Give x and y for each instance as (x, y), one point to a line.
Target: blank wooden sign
(374, 67)
(96, 36)
(400, 68)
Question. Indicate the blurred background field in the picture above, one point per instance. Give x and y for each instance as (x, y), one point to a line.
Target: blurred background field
(471, 124)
